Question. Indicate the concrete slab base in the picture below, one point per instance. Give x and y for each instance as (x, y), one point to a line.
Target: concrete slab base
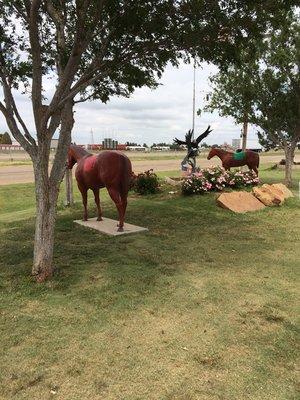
(109, 226)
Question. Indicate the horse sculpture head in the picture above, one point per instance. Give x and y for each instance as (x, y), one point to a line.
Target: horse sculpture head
(71, 160)
(212, 153)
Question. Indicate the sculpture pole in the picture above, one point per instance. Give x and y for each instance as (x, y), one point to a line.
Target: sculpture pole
(194, 99)
(69, 188)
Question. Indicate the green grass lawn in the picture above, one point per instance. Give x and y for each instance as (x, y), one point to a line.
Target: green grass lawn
(203, 306)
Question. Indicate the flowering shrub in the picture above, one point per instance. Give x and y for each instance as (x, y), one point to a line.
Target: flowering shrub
(217, 178)
(146, 183)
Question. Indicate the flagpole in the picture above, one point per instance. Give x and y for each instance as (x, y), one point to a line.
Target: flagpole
(194, 91)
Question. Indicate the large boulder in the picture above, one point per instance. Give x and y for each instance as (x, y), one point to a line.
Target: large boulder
(239, 202)
(286, 192)
(267, 197)
(278, 193)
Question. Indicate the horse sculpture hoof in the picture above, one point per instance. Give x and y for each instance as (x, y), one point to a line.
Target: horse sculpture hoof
(120, 229)
(99, 219)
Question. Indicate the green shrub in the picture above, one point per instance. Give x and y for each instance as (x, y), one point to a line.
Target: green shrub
(146, 183)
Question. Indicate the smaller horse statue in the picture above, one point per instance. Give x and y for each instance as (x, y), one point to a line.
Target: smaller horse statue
(111, 169)
(238, 159)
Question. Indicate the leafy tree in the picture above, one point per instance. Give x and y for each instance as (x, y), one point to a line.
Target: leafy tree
(160, 145)
(265, 90)
(5, 138)
(204, 145)
(175, 146)
(277, 111)
(233, 94)
(94, 49)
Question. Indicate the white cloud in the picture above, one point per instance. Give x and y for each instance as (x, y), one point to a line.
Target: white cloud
(149, 115)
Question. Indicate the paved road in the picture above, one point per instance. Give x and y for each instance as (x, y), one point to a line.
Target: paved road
(24, 173)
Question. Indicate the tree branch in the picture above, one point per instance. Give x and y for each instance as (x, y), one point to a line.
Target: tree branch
(67, 75)
(67, 122)
(60, 22)
(81, 42)
(36, 64)
(11, 122)
(10, 102)
(20, 11)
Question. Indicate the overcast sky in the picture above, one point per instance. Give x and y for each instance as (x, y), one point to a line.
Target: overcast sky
(149, 116)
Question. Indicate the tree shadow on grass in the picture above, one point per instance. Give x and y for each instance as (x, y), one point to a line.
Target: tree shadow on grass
(130, 268)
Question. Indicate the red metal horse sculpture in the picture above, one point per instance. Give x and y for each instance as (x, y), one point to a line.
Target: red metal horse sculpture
(110, 169)
(229, 159)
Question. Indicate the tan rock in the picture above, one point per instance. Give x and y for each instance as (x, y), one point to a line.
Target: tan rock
(287, 193)
(239, 202)
(266, 196)
(174, 181)
(278, 193)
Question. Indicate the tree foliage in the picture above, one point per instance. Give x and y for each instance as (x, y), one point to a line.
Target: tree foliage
(277, 105)
(265, 89)
(5, 138)
(233, 92)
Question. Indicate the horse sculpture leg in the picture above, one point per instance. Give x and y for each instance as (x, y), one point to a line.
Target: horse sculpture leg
(124, 204)
(115, 196)
(97, 201)
(83, 192)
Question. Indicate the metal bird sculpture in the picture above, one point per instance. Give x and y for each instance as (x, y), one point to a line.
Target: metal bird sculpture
(192, 148)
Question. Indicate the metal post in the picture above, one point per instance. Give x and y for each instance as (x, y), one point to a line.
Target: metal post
(194, 90)
(69, 188)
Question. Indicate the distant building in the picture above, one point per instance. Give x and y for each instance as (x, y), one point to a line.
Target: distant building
(160, 148)
(121, 146)
(95, 147)
(109, 144)
(135, 148)
(11, 147)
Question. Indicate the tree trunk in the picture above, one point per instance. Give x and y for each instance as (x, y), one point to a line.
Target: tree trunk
(46, 199)
(245, 134)
(44, 237)
(289, 150)
(47, 189)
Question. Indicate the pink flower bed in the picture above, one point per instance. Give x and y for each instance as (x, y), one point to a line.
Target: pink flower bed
(217, 179)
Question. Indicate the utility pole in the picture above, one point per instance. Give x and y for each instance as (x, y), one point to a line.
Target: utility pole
(92, 137)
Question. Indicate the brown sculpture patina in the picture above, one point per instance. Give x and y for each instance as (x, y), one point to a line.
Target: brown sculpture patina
(230, 159)
(111, 169)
